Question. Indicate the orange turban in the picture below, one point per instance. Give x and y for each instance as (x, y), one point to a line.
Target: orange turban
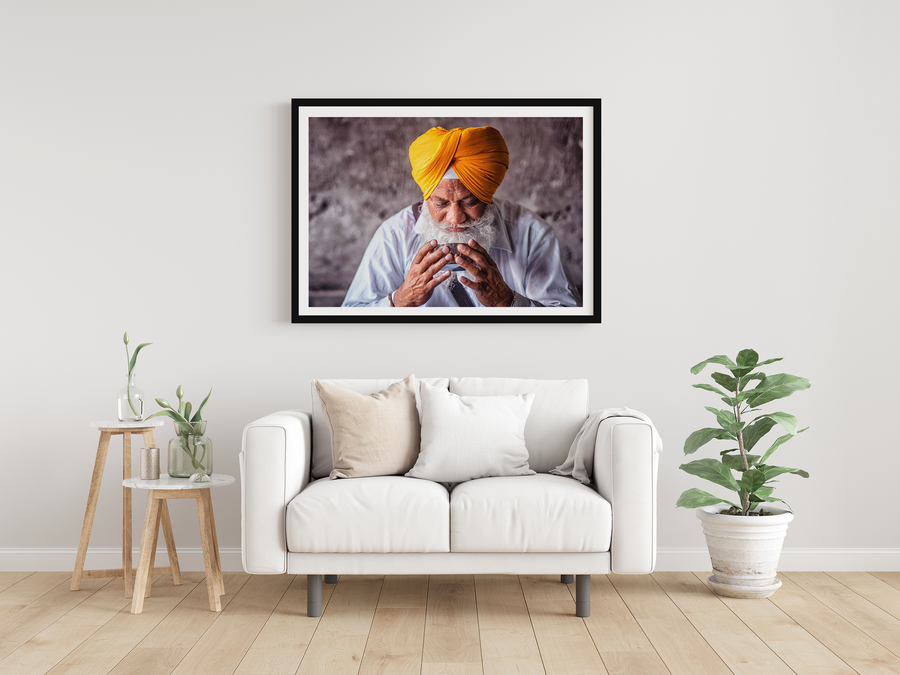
(479, 156)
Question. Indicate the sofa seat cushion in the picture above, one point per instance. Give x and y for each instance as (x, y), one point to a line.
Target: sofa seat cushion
(540, 513)
(378, 514)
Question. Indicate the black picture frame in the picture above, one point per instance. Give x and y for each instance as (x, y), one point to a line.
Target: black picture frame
(325, 174)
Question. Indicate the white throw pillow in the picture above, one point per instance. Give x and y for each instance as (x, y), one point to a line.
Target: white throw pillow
(466, 437)
(374, 435)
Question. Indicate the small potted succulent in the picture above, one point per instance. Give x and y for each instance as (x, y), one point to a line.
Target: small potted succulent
(190, 452)
(744, 540)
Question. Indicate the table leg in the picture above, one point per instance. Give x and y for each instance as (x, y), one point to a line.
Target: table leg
(170, 543)
(209, 557)
(215, 540)
(90, 509)
(148, 540)
(127, 538)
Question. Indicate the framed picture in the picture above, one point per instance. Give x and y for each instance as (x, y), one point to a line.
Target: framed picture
(476, 211)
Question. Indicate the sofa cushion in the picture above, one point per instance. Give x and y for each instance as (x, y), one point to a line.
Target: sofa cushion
(382, 514)
(560, 408)
(322, 462)
(371, 435)
(540, 513)
(466, 437)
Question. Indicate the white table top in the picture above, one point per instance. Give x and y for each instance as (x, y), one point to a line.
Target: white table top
(167, 482)
(116, 424)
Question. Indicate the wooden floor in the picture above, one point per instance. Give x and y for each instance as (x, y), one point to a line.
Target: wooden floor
(816, 624)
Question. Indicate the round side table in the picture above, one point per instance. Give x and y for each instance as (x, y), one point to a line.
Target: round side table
(158, 491)
(109, 429)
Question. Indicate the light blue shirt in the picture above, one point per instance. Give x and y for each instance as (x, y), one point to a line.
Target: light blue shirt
(526, 253)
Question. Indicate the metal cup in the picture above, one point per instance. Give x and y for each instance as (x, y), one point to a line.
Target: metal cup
(149, 463)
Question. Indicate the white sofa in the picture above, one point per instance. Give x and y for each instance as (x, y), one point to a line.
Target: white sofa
(296, 520)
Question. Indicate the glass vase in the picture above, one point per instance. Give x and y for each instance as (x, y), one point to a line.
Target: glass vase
(190, 451)
(130, 401)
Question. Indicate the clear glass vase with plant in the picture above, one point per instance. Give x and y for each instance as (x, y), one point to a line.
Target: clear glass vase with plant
(130, 398)
(755, 476)
(190, 451)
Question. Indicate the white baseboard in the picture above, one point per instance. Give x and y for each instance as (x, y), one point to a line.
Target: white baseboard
(63, 559)
(667, 559)
(791, 560)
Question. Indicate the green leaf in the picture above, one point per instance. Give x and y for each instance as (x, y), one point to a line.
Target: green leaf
(187, 411)
(700, 438)
(691, 499)
(720, 359)
(196, 417)
(746, 362)
(712, 470)
(172, 414)
(135, 355)
(755, 431)
(163, 403)
(726, 419)
(752, 480)
(709, 387)
(735, 462)
(773, 471)
(774, 387)
(788, 422)
(725, 380)
(781, 440)
(749, 378)
(765, 363)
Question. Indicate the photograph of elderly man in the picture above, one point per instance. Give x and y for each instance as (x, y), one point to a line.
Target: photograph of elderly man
(460, 246)
(479, 213)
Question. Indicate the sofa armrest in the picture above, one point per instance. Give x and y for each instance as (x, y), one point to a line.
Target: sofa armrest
(275, 460)
(624, 473)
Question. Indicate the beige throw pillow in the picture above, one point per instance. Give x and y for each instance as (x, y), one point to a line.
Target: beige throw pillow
(372, 435)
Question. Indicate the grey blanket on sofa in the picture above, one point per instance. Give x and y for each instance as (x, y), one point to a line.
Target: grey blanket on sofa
(580, 462)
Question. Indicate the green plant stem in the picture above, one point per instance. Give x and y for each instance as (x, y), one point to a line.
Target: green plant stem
(745, 496)
(128, 382)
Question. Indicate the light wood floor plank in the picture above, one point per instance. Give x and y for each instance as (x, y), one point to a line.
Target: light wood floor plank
(852, 645)
(395, 642)
(225, 643)
(113, 641)
(681, 647)
(283, 640)
(508, 643)
(452, 643)
(802, 652)
(172, 638)
(44, 609)
(871, 588)
(43, 651)
(339, 641)
(891, 578)
(872, 620)
(741, 650)
(565, 643)
(8, 579)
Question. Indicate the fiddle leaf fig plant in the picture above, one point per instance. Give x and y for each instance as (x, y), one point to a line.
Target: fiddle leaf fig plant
(750, 476)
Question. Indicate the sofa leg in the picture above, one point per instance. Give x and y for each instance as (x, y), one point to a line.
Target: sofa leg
(313, 595)
(582, 595)
(331, 578)
(567, 578)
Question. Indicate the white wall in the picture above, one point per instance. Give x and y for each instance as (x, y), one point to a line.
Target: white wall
(750, 174)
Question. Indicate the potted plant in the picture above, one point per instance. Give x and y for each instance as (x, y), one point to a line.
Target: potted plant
(744, 540)
(130, 398)
(190, 452)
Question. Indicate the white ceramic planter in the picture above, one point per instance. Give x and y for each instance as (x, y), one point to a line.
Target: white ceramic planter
(744, 550)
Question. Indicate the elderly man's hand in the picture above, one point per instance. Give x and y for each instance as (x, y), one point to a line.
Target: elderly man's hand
(420, 280)
(488, 283)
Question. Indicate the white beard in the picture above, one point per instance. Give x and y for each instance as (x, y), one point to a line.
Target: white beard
(484, 230)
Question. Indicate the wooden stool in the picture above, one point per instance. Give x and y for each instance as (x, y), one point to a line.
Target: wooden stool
(167, 487)
(107, 431)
